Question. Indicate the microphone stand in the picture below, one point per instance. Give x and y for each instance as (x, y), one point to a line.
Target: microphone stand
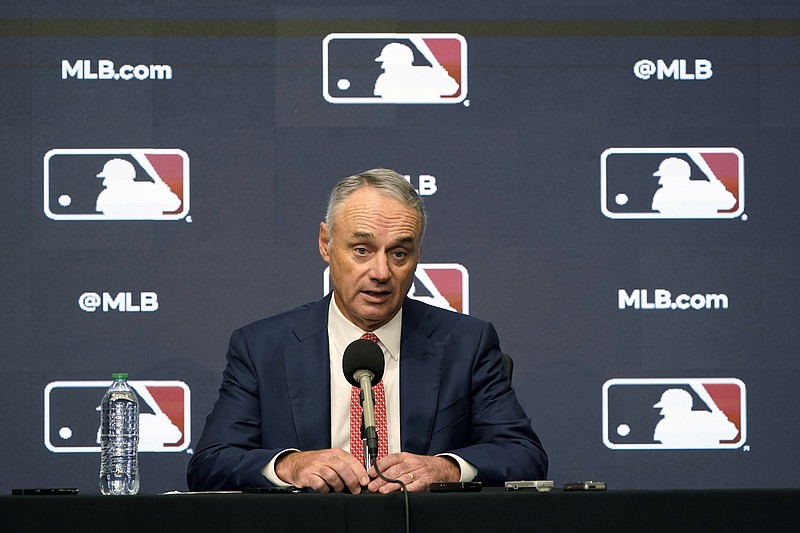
(367, 459)
(369, 433)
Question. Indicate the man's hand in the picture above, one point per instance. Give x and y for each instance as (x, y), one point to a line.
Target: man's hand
(322, 470)
(416, 471)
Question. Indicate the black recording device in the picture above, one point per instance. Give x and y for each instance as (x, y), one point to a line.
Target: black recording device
(585, 486)
(457, 486)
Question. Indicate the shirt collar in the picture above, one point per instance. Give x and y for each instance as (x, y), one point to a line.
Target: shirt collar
(343, 330)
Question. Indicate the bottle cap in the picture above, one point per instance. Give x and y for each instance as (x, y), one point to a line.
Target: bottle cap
(119, 375)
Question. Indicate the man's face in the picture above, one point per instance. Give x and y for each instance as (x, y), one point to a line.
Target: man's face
(373, 253)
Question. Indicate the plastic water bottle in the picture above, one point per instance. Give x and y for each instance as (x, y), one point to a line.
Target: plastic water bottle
(119, 438)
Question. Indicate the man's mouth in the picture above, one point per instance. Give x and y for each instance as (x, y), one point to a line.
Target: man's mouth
(377, 295)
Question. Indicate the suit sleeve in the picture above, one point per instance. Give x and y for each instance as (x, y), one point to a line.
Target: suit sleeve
(503, 445)
(229, 454)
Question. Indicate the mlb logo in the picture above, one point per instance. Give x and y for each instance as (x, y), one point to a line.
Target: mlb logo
(443, 285)
(394, 68)
(672, 183)
(72, 415)
(116, 184)
(676, 414)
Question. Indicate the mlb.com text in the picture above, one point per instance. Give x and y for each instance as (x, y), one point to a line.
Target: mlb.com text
(83, 69)
(662, 299)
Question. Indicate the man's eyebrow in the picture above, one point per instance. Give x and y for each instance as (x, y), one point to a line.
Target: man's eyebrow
(369, 236)
(362, 236)
(406, 239)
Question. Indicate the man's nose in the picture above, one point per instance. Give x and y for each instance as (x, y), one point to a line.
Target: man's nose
(379, 270)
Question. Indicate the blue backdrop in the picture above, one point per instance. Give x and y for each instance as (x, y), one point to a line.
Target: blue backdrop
(537, 172)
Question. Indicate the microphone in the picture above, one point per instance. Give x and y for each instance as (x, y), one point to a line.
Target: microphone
(363, 367)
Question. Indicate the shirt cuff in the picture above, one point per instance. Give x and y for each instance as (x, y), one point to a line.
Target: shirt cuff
(468, 470)
(269, 470)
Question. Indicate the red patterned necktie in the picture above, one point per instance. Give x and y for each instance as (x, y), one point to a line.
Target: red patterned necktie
(356, 443)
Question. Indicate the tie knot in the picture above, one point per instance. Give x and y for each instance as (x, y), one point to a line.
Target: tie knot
(369, 337)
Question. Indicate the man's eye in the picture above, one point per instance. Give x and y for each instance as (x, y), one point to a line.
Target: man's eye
(360, 251)
(400, 254)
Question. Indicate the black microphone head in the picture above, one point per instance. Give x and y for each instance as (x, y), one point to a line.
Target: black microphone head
(362, 354)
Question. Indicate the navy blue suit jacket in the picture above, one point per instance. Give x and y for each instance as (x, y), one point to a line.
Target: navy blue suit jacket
(454, 397)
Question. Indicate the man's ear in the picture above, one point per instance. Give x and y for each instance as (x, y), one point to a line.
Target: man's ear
(324, 241)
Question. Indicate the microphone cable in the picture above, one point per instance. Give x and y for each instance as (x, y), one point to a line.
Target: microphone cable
(403, 488)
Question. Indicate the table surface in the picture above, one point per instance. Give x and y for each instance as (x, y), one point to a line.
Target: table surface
(493, 510)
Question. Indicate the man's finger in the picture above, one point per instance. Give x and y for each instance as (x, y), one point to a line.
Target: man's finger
(386, 463)
(317, 484)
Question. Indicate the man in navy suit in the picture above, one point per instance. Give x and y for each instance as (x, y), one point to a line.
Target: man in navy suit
(283, 413)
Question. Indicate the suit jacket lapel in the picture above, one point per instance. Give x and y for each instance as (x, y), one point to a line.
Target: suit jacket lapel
(308, 379)
(421, 365)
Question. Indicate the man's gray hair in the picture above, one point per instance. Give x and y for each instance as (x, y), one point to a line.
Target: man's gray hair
(387, 182)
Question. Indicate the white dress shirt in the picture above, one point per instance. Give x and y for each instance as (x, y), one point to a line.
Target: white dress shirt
(341, 332)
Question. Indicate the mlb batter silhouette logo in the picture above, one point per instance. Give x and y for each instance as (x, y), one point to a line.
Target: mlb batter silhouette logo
(116, 184)
(672, 183)
(394, 68)
(72, 423)
(674, 413)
